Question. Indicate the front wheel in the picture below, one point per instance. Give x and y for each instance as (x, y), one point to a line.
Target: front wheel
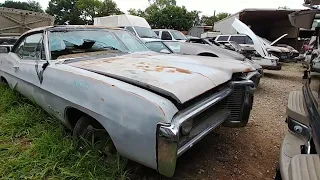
(89, 134)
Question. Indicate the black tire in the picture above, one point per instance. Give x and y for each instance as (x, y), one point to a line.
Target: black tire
(3, 81)
(86, 130)
(278, 173)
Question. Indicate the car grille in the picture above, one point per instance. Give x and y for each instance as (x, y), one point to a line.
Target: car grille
(233, 103)
(206, 114)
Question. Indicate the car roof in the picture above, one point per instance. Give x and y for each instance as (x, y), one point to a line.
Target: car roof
(232, 35)
(69, 27)
(164, 30)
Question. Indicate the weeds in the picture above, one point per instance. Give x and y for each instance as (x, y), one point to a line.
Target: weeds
(34, 145)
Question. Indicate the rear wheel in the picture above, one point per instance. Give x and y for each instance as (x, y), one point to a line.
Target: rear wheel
(3, 80)
(89, 134)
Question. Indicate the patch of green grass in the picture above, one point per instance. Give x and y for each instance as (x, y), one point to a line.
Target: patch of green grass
(33, 145)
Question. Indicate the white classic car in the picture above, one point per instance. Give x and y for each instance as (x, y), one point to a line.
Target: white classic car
(106, 85)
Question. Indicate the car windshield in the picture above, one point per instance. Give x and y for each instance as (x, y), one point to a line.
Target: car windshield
(144, 32)
(174, 46)
(82, 41)
(178, 35)
(158, 46)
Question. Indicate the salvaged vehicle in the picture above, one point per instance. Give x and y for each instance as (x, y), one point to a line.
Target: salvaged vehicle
(267, 60)
(299, 154)
(282, 51)
(184, 48)
(135, 24)
(106, 85)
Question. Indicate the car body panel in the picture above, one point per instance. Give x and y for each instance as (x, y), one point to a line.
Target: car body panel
(162, 74)
(275, 41)
(114, 89)
(244, 29)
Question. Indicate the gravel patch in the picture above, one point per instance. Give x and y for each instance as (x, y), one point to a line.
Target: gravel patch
(246, 153)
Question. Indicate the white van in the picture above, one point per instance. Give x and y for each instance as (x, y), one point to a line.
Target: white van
(135, 24)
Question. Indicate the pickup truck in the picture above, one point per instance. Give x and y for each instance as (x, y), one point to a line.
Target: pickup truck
(105, 84)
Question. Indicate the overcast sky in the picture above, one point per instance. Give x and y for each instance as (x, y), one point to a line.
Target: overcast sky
(207, 6)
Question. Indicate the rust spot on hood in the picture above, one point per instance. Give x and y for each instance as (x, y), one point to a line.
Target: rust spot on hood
(173, 69)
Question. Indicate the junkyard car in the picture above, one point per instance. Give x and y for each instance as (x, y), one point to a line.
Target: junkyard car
(267, 60)
(210, 50)
(106, 84)
(299, 154)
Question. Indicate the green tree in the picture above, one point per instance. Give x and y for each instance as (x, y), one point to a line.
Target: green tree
(166, 14)
(65, 12)
(137, 12)
(209, 20)
(96, 8)
(163, 3)
(29, 5)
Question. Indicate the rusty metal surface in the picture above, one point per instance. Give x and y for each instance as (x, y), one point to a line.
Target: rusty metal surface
(180, 77)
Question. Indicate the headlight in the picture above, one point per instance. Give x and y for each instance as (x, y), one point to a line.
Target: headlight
(186, 127)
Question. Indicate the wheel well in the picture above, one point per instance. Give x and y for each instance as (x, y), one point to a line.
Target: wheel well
(73, 115)
(2, 79)
(207, 54)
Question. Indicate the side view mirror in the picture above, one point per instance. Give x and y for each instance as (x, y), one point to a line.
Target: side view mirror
(4, 49)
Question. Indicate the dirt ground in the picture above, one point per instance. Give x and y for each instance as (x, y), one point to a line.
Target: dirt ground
(247, 153)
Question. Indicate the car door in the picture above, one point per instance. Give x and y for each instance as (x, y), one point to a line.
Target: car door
(29, 58)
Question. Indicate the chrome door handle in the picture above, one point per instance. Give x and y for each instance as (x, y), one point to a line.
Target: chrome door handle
(15, 67)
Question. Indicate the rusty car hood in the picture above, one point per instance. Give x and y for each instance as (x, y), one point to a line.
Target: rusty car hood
(179, 77)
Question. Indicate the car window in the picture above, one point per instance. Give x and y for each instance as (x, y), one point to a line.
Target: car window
(238, 39)
(31, 47)
(223, 38)
(131, 30)
(178, 35)
(174, 46)
(248, 40)
(157, 47)
(131, 41)
(165, 35)
(144, 32)
(157, 32)
(83, 41)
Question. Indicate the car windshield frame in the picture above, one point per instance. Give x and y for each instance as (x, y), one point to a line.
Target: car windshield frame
(91, 40)
(142, 32)
(177, 35)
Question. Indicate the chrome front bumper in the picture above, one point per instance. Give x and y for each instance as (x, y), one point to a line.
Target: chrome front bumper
(171, 144)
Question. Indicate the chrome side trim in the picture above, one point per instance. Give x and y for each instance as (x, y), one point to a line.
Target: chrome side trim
(199, 108)
(210, 125)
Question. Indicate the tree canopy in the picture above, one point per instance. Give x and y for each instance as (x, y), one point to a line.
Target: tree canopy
(166, 14)
(81, 11)
(29, 5)
(159, 14)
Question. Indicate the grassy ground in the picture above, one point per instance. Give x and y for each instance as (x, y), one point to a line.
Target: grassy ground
(34, 145)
